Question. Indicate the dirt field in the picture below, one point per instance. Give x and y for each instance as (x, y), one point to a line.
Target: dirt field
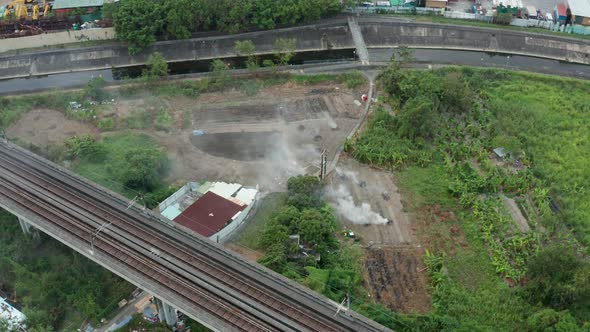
(396, 278)
(46, 127)
(377, 216)
(368, 202)
(262, 139)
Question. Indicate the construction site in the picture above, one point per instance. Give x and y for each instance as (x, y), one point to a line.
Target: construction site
(32, 17)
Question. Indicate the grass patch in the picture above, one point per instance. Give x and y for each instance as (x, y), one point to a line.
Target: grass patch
(313, 79)
(107, 163)
(268, 206)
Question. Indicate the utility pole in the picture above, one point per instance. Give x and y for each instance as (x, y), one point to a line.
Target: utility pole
(323, 165)
(95, 234)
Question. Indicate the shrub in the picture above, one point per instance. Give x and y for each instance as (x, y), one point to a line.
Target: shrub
(106, 124)
(164, 121)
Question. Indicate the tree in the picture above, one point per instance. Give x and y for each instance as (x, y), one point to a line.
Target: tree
(94, 89)
(288, 216)
(142, 170)
(416, 118)
(284, 50)
(549, 320)
(180, 19)
(273, 233)
(558, 278)
(156, 67)
(315, 227)
(303, 192)
(275, 257)
(138, 22)
(234, 15)
(247, 48)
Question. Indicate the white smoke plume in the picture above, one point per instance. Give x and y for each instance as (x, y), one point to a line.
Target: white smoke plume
(344, 205)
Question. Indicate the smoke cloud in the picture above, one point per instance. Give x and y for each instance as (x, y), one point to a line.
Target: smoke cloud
(344, 205)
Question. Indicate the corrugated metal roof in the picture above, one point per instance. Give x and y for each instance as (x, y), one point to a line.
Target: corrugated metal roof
(246, 195)
(225, 190)
(209, 214)
(64, 4)
(171, 212)
(580, 7)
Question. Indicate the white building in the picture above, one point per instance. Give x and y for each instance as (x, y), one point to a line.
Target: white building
(12, 316)
(213, 210)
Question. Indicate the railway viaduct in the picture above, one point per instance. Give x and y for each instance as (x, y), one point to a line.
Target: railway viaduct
(182, 269)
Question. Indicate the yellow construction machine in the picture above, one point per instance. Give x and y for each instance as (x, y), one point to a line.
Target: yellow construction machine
(35, 13)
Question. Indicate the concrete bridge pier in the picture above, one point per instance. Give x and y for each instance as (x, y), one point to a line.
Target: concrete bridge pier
(27, 227)
(166, 312)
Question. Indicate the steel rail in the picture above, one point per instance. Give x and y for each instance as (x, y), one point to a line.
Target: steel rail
(139, 231)
(182, 267)
(129, 255)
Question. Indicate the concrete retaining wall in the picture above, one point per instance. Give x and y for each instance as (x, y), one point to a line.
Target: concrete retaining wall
(382, 34)
(334, 35)
(57, 38)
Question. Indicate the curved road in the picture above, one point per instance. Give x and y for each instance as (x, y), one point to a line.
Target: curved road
(377, 55)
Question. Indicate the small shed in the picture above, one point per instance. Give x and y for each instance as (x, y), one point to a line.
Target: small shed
(501, 152)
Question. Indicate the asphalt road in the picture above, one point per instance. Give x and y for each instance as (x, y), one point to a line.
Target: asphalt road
(376, 56)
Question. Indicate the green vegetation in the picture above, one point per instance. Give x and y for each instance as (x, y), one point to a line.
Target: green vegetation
(247, 48)
(141, 22)
(55, 287)
(94, 89)
(126, 162)
(325, 264)
(156, 67)
(439, 136)
(284, 50)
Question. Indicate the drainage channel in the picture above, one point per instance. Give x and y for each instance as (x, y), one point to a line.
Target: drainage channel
(376, 55)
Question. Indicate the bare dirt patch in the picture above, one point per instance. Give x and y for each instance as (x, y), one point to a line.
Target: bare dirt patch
(367, 201)
(43, 127)
(246, 253)
(261, 139)
(396, 278)
(373, 193)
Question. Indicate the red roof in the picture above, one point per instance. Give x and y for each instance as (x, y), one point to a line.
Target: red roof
(209, 214)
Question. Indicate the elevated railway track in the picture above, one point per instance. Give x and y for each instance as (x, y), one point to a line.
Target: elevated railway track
(195, 275)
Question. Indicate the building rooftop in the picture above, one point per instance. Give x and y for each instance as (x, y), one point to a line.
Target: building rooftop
(65, 4)
(11, 314)
(209, 214)
(580, 7)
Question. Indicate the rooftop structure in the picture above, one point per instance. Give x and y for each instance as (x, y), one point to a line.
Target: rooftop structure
(66, 4)
(12, 316)
(209, 214)
(213, 209)
(580, 11)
